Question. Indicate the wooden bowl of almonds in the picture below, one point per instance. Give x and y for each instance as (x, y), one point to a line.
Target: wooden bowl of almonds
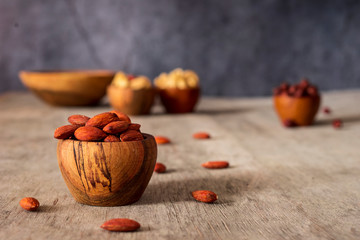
(133, 95)
(179, 90)
(296, 105)
(105, 160)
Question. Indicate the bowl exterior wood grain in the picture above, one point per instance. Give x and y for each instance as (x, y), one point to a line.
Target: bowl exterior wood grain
(68, 88)
(107, 173)
(179, 100)
(131, 102)
(300, 110)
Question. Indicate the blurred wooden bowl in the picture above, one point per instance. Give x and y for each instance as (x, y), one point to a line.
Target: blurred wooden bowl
(300, 110)
(68, 88)
(107, 173)
(129, 101)
(179, 100)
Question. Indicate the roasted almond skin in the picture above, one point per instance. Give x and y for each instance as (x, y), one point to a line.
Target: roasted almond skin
(134, 126)
(29, 203)
(162, 140)
(116, 127)
(101, 120)
(131, 135)
(88, 133)
(112, 138)
(122, 116)
(201, 135)
(215, 164)
(160, 168)
(121, 225)
(204, 196)
(79, 120)
(64, 132)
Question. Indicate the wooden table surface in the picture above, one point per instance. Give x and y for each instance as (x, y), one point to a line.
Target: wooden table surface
(301, 183)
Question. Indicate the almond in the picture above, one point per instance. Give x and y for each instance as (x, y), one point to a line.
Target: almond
(204, 196)
(112, 138)
(134, 126)
(78, 119)
(88, 133)
(162, 140)
(215, 164)
(116, 127)
(131, 135)
(65, 132)
(122, 116)
(101, 120)
(29, 203)
(160, 168)
(120, 225)
(201, 135)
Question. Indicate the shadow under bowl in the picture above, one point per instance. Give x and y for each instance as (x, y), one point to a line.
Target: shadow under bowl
(68, 87)
(107, 173)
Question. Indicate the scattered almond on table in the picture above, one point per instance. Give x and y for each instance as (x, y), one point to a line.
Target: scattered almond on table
(204, 196)
(159, 168)
(29, 204)
(162, 140)
(215, 164)
(121, 225)
(201, 135)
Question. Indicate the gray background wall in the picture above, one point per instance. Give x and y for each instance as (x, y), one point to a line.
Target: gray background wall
(238, 47)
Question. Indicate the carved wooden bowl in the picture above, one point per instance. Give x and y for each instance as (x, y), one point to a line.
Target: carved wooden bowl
(300, 110)
(107, 173)
(68, 87)
(130, 101)
(179, 100)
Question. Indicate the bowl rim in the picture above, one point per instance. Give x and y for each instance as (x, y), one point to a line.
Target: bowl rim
(147, 137)
(179, 89)
(112, 86)
(293, 97)
(68, 71)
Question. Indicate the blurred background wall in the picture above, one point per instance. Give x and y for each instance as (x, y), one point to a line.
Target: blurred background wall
(238, 47)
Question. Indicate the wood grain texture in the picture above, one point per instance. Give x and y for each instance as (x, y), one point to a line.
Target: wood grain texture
(299, 183)
(107, 173)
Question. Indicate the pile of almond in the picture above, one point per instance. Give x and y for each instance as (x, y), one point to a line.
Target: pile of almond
(111, 126)
(302, 89)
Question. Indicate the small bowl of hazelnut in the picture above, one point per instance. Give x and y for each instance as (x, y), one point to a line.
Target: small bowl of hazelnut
(296, 105)
(105, 160)
(179, 90)
(133, 95)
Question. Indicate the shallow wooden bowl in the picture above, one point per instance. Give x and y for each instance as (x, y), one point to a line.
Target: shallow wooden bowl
(68, 88)
(179, 100)
(301, 110)
(131, 102)
(107, 173)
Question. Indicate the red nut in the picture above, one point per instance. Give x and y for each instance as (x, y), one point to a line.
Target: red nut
(204, 196)
(29, 203)
(215, 164)
(159, 168)
(121, 225)
(201, 135)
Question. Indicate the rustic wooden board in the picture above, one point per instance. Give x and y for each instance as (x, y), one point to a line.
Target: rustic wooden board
(282, 184)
